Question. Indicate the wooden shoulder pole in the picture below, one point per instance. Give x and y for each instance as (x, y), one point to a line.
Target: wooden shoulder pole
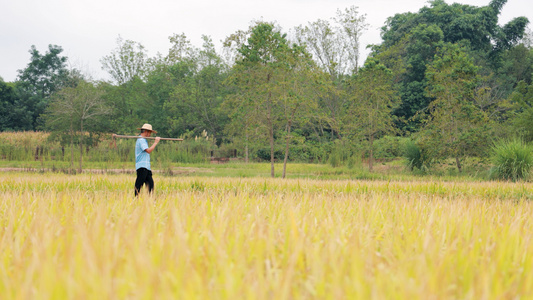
(137, 137)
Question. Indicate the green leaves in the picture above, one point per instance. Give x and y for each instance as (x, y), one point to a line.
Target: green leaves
(276, 87)
(335, 43)
(455, 126)
(265, 46)
(196, 89)
(370, 109)
(411, 40)
(44, 75)
(127, 61)
(521, 116)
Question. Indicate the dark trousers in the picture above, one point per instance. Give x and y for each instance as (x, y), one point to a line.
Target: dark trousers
(144, 176)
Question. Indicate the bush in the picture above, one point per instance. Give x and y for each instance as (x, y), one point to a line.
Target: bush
(512, 159)
(335, 159)
(354, 161)
(264, 154)
(389, 147)
(416, 157)
(340, 154)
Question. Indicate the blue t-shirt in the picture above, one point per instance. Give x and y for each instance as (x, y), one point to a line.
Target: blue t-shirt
(142, 158)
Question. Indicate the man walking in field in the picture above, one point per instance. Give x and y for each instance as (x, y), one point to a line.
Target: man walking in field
(142, 159)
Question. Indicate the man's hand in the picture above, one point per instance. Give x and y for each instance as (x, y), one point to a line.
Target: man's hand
(149, 150)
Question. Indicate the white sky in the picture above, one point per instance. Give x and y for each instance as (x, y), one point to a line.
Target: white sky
(87, 30)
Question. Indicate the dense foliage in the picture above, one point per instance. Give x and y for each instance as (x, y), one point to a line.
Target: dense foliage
(448, 76)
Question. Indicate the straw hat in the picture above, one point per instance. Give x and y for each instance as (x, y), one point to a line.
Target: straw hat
(147, 127)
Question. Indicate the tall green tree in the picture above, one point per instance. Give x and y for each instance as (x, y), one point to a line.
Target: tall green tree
(45, 74)
(521, 115)
(414, 36)
(335, 45)
(455, 126)
(458, 22)
(243, 126)
(373, 100)
(264, 58)
(420, 48)
(77, 110)
(128, 65)
(195, 99)
(13, 116)
(259, 76)
(302, 85)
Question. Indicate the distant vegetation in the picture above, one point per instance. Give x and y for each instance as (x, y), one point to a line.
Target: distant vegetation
(447, 80)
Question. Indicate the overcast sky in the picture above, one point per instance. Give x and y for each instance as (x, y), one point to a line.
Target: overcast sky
(87, 30)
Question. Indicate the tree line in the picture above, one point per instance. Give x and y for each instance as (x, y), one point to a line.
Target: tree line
(449, 77)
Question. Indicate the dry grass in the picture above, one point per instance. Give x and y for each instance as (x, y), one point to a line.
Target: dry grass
(86, 237)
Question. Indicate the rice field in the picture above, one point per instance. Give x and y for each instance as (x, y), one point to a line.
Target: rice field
(87, 237)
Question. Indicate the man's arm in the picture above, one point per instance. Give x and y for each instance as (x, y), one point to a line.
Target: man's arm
(150, 149)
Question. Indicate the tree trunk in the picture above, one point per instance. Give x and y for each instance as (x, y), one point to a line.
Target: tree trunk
(372, 131)
(71, 150)
(286, 150)
(271, 129)
(271, 144)
(246, 148)
(458, 162)
(289, 125)
(371, 156)
(317, 135)
(81, 146)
